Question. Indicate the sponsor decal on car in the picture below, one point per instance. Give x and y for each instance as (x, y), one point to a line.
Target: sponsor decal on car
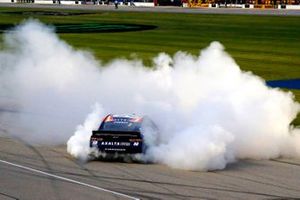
(113, 149)
(136, 144)
(115, 143)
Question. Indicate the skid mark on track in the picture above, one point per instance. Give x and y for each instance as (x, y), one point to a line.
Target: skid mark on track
(108, 179)
(91, 175)
(258, 182)
(8, 196)
(45, 162)
(286, 162)
(171, 193)
(67, 179)
(134, 190)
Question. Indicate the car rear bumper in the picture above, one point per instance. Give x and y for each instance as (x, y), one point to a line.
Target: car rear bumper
(120, 147)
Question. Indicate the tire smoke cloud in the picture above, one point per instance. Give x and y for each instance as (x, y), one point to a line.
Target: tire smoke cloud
(209, 112)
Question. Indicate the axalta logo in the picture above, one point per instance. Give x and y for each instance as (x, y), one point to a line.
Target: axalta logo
(115, 143)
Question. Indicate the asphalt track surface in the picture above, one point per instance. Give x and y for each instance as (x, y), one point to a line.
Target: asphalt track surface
(164, 9)
(48, 172)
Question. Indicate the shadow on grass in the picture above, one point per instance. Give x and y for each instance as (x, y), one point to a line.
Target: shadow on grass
(89, 28)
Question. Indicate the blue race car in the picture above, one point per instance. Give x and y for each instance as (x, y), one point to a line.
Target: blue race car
(121, 134)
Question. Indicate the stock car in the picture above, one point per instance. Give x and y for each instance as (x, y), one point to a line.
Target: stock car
(121, 134)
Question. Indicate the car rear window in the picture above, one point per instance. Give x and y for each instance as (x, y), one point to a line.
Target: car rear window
(120, 124)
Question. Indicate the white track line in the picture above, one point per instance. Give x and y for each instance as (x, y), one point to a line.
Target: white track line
(68, 180)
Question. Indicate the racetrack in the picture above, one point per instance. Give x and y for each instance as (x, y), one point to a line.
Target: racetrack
(248, 179)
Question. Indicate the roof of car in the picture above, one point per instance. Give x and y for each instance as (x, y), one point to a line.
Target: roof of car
(125, 116)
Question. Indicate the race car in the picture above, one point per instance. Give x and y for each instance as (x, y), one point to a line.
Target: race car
(122, 134)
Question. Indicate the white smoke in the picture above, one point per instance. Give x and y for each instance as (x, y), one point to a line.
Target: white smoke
(209, 112)
(78, 145)
(48, 84)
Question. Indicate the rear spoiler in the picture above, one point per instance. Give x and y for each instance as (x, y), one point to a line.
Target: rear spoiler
(117, 133)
